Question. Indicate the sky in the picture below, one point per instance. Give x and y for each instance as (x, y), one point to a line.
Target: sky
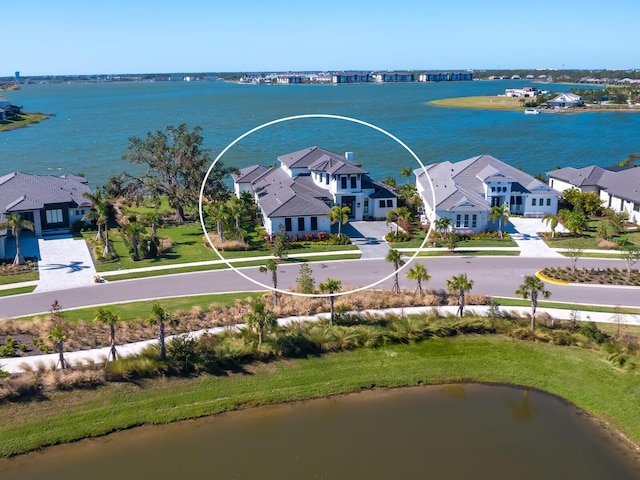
(73, 37)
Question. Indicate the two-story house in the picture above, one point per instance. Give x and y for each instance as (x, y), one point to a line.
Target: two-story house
(300, 192)
(465, 192)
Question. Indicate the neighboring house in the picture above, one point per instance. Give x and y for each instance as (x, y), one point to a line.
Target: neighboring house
(465, 192)
(8, 111)
(617, 187)
(526, 92)
(566, 100)
(52, 203)
(298, 195)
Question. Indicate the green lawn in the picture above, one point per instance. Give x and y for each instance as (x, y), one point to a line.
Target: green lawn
(581, 376)
(467, 253)
(16, 291)
(481, 102)
(19, 278)
(588, 239)
(516, 302)
(23, 120)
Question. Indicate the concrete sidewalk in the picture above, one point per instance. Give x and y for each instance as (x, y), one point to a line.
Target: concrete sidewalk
(17, 364)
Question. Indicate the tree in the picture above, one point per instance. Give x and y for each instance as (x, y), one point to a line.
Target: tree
(160, 318)
(331, 286)
(420, 274)
(110, 318)
(16, 224)
(305, 281)
(176, 163)
(281, 244)
(551, 220)
(58, 332)
(574, 255)
(133, 233)
(100, 215)
(220, 215)
(395, 257)
(460, 284)
(531, 288)
(575, 221)
(272, 267)
(442, 226)
(339, 215)
(406, 172)
(631, 255)
(501, 214)
(235, 208)
(153, 219)
(260, 318)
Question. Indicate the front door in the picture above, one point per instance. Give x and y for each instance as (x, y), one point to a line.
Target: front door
(350, 201)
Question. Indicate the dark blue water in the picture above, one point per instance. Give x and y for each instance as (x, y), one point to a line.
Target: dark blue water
(93, 122)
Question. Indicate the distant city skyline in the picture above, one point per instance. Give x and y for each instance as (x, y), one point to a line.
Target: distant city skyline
(73, 37)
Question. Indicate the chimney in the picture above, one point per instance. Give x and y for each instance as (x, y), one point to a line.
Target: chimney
(348, 156)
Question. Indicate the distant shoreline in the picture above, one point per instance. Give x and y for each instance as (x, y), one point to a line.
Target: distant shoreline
(514, 104)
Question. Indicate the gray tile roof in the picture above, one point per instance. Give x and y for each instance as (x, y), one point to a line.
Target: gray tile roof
(22, 191)
(320, 160)
(249, 174)
(580, 177)
(459, 185)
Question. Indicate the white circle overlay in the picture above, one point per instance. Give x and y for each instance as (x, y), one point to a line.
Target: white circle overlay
(299, 117)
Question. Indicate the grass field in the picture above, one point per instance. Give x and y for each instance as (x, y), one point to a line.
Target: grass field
(481, 102)
(578, 375)
(24, 120)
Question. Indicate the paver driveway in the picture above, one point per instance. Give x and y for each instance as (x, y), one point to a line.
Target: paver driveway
(64, 263)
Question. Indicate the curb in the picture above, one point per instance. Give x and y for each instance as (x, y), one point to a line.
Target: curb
(549, 280)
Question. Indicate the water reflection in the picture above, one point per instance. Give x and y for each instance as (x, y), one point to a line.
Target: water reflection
(457, 431)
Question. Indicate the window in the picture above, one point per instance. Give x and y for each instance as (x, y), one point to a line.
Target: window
(533, 202)
(77, 213)
(287, 224)
(548, 202)
(326, 180)
(366, 207)
(474, 220)
(314, 223)
(381, 203)
(301, 224)
(343, 182)
(636, 207)
(493, 189)
(458, 221)
(466, 220)
(353, 182)
(389, 203)
(54, 216)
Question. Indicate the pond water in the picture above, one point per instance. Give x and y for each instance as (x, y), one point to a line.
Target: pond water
(453, 431)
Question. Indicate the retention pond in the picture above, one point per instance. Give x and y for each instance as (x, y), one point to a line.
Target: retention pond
(451, 431)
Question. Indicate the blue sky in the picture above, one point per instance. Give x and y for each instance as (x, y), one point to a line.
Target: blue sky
(143, 36)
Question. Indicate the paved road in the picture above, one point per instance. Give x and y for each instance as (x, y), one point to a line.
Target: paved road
(499, 276)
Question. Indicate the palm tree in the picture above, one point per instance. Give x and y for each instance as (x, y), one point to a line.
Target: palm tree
(133, 233)
(551, 220)
(460, 284)
(235, 208)
(392, 216)
(109, 317)
(100, 215)
(16, 224)
(395, 257)
(442, 225)
(406, 172)
(339, 215)
(331, 286)
(531, 288)
(272, 266)
(501, 214)
(420, 274)
(58, 336)
(219, 214)
(159, 316)
(153, 219)
(260, 318)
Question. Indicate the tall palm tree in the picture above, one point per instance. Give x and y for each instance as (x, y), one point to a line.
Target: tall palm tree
(99, 214)
(260, 318)
(339, 215)
(331, 286)
(442, 225)
(58, 336)
(460, 284)
(219, 214)
(406, 172)
(110, 318)
(272, 266)
(501, 214)
(133, 232)
(531, 288)
(395, 257)
(551, 220)
(160, 317)
(420, 274)
(235, 207)
(16, 224)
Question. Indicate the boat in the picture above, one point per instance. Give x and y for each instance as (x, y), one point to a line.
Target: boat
(531, 111)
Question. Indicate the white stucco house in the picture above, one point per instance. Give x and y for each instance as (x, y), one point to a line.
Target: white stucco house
(566, 100)
(52, 203)
(465, 191)
(617, 187)
(299, 193)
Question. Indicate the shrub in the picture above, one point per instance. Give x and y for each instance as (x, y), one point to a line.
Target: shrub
(592, 332)
(400, 236)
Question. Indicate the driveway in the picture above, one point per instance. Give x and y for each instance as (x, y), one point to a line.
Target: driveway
(64, 263)
(525, 232)
(369, 237)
